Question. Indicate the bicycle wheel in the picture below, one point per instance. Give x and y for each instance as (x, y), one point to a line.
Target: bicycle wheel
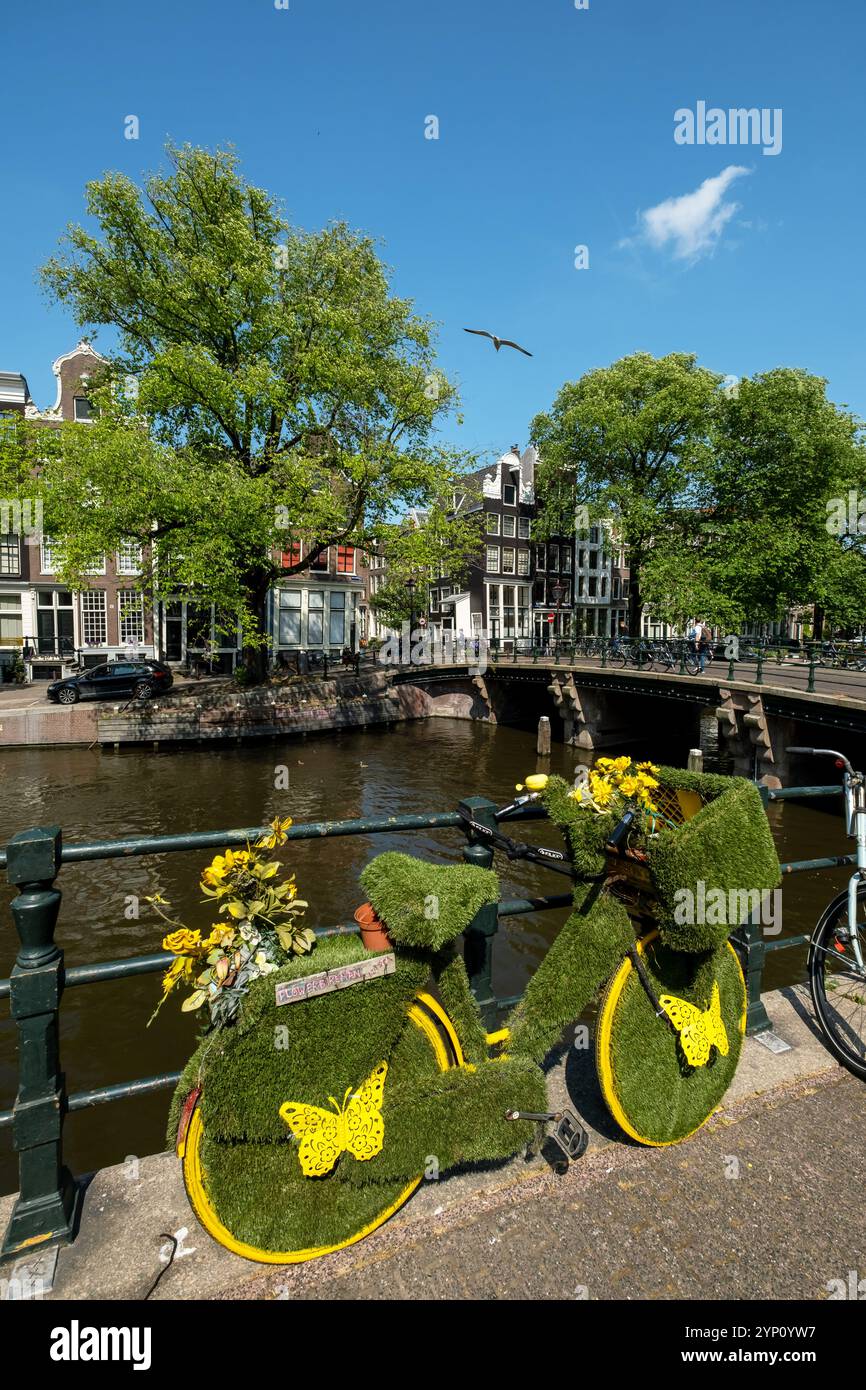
(654, 1095)
(837, 986)
(349, 1212)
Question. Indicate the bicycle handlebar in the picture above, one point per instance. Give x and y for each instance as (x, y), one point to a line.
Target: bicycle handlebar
(823, 753)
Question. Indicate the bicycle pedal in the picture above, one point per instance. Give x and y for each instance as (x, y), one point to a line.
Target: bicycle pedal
(570, 1135)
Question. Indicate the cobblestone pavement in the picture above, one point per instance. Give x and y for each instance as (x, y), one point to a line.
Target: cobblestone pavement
(766, 1203)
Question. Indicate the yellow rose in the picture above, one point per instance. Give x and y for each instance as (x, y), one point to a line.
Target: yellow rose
(182, 942)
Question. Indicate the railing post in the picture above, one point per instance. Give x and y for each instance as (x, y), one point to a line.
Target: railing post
(757, 1018)
(478, 937)
(810, 684)
(48, 1203)
(759, 674)
(603, 652)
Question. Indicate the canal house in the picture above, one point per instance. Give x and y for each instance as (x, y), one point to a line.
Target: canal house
(518, 591)
(43, 622)
(319, 608)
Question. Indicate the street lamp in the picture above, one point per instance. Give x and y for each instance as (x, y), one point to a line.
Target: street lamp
(558, 593)
(410, 585)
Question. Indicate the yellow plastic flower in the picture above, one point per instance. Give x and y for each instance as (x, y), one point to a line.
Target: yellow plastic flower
(183, 942)
(277, 835)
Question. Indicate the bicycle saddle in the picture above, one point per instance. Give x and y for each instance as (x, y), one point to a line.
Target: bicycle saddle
(426, 905)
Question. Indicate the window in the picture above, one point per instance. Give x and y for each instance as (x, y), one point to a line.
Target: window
(315, 617)
(625, 588)
(566, 559)
(493, 559)
(94, 628)
(593, 535)
(581, 559)
(509, 525)
(523, 562)
(98, 568)
(129, 558)
(604, 586)
(446, 591)
(523, 527)
(11, 622)
(493, 523)
(82, 408)
(581, 586)
(345, 559)
(337, 620)
(616, 586)
(320, 565)
(130, 609)
(509, 495)
(290, 617)
(292, 556)
(508, 560)
(10, 555)
(540, 557)
(593, 586)
(50, 555)
(593, 559)
(553, 558)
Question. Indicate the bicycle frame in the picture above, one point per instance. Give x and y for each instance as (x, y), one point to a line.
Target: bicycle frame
(855, 824)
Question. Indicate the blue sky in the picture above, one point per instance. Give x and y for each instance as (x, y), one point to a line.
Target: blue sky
(556, 129)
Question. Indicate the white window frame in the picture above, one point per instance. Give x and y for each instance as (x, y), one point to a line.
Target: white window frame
(126, 562)
(492, 524)
(508, 561)
(48, 555)
(12, 612)
(7, 543)
(523, 562)
(524, 528)
(492, 559)
(130, 609)
(509, 527)
(94, 606)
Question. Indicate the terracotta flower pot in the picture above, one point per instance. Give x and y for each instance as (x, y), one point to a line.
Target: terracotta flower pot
(374, 933)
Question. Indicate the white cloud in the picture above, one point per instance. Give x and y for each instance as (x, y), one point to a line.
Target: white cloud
(691, 224)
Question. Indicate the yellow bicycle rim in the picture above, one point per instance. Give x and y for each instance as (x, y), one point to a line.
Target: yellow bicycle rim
(193, 1173)
(603, 1049)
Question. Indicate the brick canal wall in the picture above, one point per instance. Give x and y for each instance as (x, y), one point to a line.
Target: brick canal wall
(198, 715)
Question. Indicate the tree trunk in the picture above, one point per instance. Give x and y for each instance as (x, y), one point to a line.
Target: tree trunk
(634, 599)
(256, 655)
(818, 622)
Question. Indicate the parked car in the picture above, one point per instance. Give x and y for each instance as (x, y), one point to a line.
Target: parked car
(113, 680)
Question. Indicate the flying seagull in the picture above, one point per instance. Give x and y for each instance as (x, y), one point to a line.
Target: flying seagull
(497, 342)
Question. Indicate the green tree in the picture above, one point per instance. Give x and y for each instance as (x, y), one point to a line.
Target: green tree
(438, 542)
(266, 387)
(781, 453)
(629, 443)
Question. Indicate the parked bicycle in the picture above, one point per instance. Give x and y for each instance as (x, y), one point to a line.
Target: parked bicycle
(310, 1121)
(837, 960)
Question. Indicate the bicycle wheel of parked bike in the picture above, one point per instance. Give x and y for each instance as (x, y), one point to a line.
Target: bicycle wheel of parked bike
(662, 1077)
(302, 1217)
(838, 988)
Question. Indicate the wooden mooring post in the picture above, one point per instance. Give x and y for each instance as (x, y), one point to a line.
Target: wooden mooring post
(696, 760)
(542, 746)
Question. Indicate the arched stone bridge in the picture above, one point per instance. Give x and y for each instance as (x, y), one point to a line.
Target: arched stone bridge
(754, 720)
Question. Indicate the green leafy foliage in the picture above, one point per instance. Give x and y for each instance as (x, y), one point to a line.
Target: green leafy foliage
(265, 386)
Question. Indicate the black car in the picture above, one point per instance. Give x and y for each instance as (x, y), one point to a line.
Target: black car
(113, 680)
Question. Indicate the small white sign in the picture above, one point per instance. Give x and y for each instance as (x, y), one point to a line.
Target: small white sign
(771, 1041)
(326, 981)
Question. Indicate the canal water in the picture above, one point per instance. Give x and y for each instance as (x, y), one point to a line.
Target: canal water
(404, 769)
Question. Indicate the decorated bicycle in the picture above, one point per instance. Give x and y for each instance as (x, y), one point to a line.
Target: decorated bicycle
(330, 1081)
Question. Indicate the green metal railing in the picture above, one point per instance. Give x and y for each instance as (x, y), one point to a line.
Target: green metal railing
(47, 1208)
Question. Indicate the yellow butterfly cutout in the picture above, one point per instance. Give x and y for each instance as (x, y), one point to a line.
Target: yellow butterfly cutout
(356, 1127)
(699, 1029)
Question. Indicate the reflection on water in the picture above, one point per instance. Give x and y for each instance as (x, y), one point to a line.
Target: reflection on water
(410, 768)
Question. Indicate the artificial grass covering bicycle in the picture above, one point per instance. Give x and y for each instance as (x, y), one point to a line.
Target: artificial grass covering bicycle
(304, 1125)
